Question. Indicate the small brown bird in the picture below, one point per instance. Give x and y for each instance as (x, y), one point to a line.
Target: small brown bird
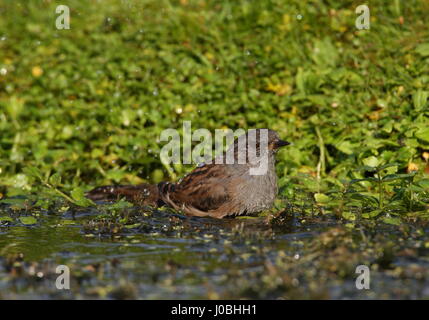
(218, 189)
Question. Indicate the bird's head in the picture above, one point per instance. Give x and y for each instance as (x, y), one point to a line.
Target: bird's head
(258, 142)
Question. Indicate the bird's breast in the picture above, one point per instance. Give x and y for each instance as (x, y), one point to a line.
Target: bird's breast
(259, 191)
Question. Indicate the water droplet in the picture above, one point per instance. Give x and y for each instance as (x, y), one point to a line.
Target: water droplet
(31, 270)
(3, 71)
(299, 17)
(155, 92)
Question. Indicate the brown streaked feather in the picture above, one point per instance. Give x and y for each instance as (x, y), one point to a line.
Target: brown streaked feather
(203, 192)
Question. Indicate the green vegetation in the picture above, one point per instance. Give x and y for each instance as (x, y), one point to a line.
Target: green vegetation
(85, 107)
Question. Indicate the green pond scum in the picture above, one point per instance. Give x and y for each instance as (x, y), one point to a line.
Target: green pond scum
(85, 106)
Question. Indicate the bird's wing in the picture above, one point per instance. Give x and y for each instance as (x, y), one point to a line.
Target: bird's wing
(202, 191)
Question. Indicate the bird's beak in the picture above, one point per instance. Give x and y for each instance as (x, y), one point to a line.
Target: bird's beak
(280, 143)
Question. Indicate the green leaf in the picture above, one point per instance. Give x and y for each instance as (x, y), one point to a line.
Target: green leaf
(300, 82)
(422, 133)
(349, 215)
(79, 196)
(391, 177)
(55, 179)
(365, 197)
(67, 222)
(6, 219)
(424, 183)
(388, 127)
(374, 213)
(16, 203)
(115, 174)
(311, 184)
(29, 220)
(416, 188)
(345, 147)
(419, 99)
(321, 198)
(423, 49)
(363, 179)
(324, 52)
(371, 162)
(132, 226)
(121, 204)
(395, 164)
(392, 220)
(33, 172)
(366, 168)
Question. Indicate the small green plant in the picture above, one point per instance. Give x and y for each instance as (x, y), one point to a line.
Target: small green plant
(380, 194)
(52, 183)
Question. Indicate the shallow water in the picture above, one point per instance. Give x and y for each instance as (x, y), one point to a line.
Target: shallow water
(164, 255)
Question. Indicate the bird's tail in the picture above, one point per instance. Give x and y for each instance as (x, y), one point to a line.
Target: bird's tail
(142, 194)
